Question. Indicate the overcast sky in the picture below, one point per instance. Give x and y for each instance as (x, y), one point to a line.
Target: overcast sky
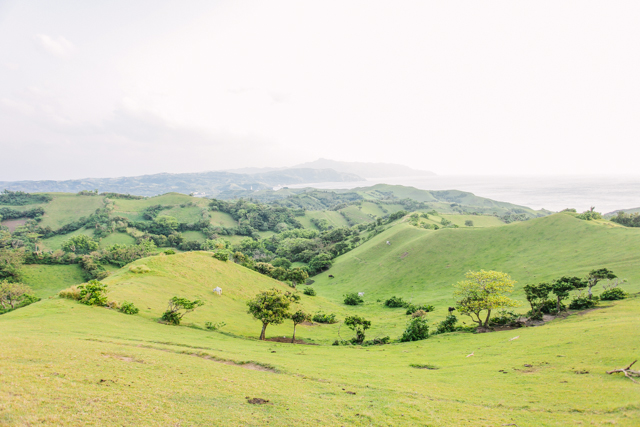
(133, 87)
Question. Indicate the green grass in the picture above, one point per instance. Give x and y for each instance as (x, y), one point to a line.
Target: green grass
(66, 208)
(48, 280)
(69, 364)
(117, 238)
(222, 219)
(478, 220)
(334, 218)
(54, 243)
(194, 235)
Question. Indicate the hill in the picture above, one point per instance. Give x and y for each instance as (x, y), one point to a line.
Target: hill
(367, 170)
(209, 183)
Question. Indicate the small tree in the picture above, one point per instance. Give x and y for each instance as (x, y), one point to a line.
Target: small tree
(537, 296)
(13, 294)
(562, 286)
(93, 293)
(353, 299)
(80, 244)
(271, 306)
(484, 290)
(297, 275)
(178, 307)
(417, 329)
(468, 223)
(359, 325)
(596, 275)
(297, 318)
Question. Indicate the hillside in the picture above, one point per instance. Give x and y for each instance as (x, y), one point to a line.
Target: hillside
(209, 183)
(367, 170)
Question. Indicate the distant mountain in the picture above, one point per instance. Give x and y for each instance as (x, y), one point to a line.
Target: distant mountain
(209, 183)
(367, 170)
(627, 211)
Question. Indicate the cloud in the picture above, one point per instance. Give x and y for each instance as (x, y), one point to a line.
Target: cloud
(59, 46)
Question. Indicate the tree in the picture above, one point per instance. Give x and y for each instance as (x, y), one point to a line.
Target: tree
(281, 262)
(320, 263)
(484, 290)
(596, 275)
(297, 318)
(167, 222)
(178, 307)
(562, 286)
(358, 325)
(10, 264)
(353, 299)
(297, 275)
(468, 223)
(537, 296)
(271, 306)
(417, 329)
(13, 294)
(93, 293)
(80, 244)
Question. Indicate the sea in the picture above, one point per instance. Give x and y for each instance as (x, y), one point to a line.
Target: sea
(606, 193)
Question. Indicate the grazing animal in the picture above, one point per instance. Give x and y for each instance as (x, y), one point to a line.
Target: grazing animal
(360, 294)
(331, 276)
(217, 290)
(388, 242)
(451, 309)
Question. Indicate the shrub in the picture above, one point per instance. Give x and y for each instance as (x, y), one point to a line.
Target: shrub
(169, 252)
(214, 326)
(221, 255)
(93, 293)
(321, 317)
(128, 308)
(309, 291)
(177, 309)
(583, 303)
(423, 307)
(139, 269)
(447, 325)
(417, 329)
(70, 293)
(468, 223)
(378, 341)
(419, 313)
(353, 299)
(613, 294)
(506, 318)
(359, 325)
(395, 302)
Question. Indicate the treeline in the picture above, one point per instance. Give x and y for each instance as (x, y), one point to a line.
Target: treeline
(8, 213)
(20, 198)
(628, 220)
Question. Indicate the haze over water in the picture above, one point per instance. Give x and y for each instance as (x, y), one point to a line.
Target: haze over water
(606, 193)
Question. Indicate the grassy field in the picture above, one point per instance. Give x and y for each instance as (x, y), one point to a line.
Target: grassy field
(66, 208)
(69, 364)
(333, 217)
(55, 242)
(117, 238)
(48, 280)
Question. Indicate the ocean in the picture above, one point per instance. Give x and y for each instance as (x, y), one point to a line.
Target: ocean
(606, 193)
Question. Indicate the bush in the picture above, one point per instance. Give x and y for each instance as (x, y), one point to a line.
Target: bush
(506, 318)
(378, 341)
(139, 269)
(583, 303)
(468, 223)
(169, 252)
(309, 291)
(174, 315)
(221, 255)
(70, 293)
(447, 325)
(353, 299)
(419, 313)
(93, 293)
(424, 307)
(214, 326)
(395, 302)
(417, 329)
(613, 294)
(320, 317)
(359, 325)
(128, 308)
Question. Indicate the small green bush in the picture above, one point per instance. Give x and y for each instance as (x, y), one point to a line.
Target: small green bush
(221, 255)
(353, 299)
(613, 294)
(583, 303)
(505, 318)
(70, 293)
(421, 307)
(214, 326)
(447, 325)
(377, 341)
(309, 291)
(395, 302)
(417, 329)
(139, 269)
(170, 252)
(128, 308)
(321, 317)
(93, 293)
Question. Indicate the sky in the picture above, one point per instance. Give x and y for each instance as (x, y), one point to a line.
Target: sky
(122, 88)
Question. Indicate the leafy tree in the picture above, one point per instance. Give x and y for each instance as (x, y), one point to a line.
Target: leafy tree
(80, 244)
(297, 318)
(271, 307)
(468, 223)
(484, 291)
(178, 307)
(166, 221)
(309, 291)
(10, 264)
(281, 262)
(353, 299)
(93, 293)
(320, 263)
(358, 325)
(537, 296)
(562, 286)
(13, 294)
(297, 275)
(417, 329)
(596, 275)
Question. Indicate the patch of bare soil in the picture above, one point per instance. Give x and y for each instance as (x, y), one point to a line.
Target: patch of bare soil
(124, 358)
(404, 255)
(288, 340)
(14, 223)
(256, 401)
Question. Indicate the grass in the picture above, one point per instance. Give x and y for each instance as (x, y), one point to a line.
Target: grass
(117, 238)
(194, 235)
(334, 218)
(66, 208)
(48, 280)
(69, 364)
(55, 242)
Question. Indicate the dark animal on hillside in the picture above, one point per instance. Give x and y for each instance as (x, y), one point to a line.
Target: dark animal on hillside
(331, 276)
(451, 309)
